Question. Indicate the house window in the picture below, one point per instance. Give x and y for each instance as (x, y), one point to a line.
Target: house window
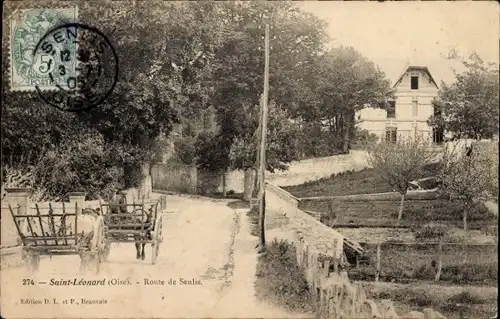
(437, 135)
(414, 82)
(414, 107)
(391, 134)
(391, 109)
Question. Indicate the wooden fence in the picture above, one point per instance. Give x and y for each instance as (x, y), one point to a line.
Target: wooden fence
(456, 262)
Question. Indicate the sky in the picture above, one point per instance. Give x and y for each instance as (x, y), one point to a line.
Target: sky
(393, 34)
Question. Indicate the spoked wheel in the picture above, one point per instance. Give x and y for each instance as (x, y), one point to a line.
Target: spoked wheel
(157, 238)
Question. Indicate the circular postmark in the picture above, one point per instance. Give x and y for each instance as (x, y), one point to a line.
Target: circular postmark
(81, 64)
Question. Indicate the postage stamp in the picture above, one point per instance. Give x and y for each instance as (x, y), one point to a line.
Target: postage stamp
(27, 27)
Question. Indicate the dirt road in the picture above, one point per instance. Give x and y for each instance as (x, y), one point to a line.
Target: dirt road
(203, 252)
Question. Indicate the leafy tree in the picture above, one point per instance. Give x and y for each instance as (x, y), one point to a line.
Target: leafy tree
(281, 143)
(295, 38)
(401, 162)
(211, 152)
(344, 82)
(470, 106)
(159, 82)
(469, 175)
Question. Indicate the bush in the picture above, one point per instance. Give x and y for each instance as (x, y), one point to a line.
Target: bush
(431, 231)
(82, 164)
(185, 150)
(281, 280)
(364, 139)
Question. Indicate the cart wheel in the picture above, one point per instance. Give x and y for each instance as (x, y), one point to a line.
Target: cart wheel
(157, 239)
(32, 262)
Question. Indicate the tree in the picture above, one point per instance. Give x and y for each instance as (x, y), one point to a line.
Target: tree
(470, 106)
(238, 66)
(401, 162)
(469, 176)
(431, 232)
(344, 82)
(281, 146)
(160, 82)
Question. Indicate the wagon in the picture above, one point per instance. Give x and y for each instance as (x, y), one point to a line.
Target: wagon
(133, 227)
(57, 233)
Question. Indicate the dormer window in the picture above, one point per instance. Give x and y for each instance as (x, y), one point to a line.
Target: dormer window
(414, 82)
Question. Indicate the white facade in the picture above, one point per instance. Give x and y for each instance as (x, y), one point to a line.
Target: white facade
(414, 91)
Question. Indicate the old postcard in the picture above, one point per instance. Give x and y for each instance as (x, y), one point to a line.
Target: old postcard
(251, 159)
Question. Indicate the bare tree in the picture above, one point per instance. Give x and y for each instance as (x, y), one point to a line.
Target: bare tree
(469, 174)
(401, 162)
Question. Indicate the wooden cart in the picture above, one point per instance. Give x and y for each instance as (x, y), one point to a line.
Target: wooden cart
(49, 234)
(135, 226)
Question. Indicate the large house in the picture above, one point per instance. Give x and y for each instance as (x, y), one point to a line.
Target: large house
(409, 112)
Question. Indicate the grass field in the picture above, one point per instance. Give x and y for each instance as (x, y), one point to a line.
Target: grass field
(384, 213)
(451, 301)
(366, 181)
(470, 264)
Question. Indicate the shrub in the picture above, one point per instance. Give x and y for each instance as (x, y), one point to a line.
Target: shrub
(82, 164)
(280, 279)
(364, 139)
(185, 150)
(431, 231)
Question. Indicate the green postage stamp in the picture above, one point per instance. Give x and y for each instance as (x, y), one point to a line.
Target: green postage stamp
(27, 27)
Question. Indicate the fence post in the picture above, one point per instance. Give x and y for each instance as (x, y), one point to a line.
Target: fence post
(440, 260)
(377, 270)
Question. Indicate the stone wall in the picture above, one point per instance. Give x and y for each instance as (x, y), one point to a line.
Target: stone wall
(174, 177)
(320, 254)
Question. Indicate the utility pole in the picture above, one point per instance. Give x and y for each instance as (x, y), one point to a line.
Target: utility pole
(262, 153)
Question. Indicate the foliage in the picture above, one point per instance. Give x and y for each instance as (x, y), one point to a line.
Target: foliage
(211, 152)
(468, 176)
(176, 60)
(404, 263)
(185, 150)
(82, 164)
(402, 162)
(344, 82)
(470, 106)
(281, 143)
(295, 38)
(431, 231)
(281, 280)
(363, 139)
(79, 164)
